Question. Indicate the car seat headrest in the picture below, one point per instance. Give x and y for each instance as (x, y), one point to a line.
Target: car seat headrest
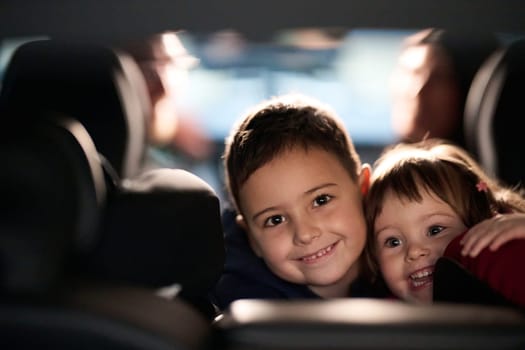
(102, 88)
(162, 228)
(52, 193)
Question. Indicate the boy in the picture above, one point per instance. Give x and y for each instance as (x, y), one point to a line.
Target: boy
(296, 183)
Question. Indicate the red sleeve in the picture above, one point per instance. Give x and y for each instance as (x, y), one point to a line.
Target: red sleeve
(503, 270)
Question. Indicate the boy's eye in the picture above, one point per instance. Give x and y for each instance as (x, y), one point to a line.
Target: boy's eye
(322, 200)
(392, 242)
(434, 230)
(274, 220)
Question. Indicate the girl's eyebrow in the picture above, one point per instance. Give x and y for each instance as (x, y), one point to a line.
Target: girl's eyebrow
(425, 217)
(439, 213)
(312, 190)
(377, 233)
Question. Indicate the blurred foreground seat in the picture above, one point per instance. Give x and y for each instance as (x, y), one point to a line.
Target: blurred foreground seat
(367, 324)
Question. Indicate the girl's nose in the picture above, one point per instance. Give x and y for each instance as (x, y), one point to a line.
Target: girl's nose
(416, 251)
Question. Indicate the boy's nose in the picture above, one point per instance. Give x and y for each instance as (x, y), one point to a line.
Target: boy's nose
(306, 232)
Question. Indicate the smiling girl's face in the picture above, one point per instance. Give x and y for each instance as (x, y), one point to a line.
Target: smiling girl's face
(410, 237)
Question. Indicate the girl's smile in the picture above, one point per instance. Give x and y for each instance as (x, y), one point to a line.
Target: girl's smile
(410, 237)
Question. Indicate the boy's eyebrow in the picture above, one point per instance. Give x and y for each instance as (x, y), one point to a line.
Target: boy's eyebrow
(262, 212)
(329, 184)
(312, 190)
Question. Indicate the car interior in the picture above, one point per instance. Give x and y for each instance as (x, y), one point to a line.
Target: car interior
(97, 252)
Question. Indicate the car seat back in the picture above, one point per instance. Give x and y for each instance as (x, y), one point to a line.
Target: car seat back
(493, 115)
(163, 229)
(53, 193)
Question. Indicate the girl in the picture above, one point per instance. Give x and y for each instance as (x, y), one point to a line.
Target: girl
(422, 200)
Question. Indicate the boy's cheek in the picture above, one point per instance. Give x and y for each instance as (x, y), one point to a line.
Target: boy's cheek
(254, 244)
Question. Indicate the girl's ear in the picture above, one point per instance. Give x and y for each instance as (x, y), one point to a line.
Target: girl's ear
(364, 178)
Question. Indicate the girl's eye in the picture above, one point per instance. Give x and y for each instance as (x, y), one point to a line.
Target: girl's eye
(392, 242)
(274, 221)
(434, 230)
(322, 200)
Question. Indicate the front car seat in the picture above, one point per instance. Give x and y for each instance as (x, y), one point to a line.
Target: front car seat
(100, 87)
(494, 120)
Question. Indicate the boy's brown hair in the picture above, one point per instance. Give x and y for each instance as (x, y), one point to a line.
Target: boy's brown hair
(280, 124)
(443, 170)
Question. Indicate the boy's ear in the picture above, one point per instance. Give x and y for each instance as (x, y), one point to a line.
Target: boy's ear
(364, 178)
(242, 223)
(239, 219)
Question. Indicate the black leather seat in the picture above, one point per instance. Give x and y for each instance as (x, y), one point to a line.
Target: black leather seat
(494, 120)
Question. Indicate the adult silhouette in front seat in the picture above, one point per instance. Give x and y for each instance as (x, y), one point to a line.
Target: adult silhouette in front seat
(430, 83)
(173, 133)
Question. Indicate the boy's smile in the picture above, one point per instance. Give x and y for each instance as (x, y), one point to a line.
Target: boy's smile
(319, 255)
(304, 217)
(410, 237)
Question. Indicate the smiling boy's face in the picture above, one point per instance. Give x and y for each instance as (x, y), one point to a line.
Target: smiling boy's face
(410, 237)
(304, 217)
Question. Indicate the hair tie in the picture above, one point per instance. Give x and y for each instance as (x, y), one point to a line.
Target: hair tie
(482, 186)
